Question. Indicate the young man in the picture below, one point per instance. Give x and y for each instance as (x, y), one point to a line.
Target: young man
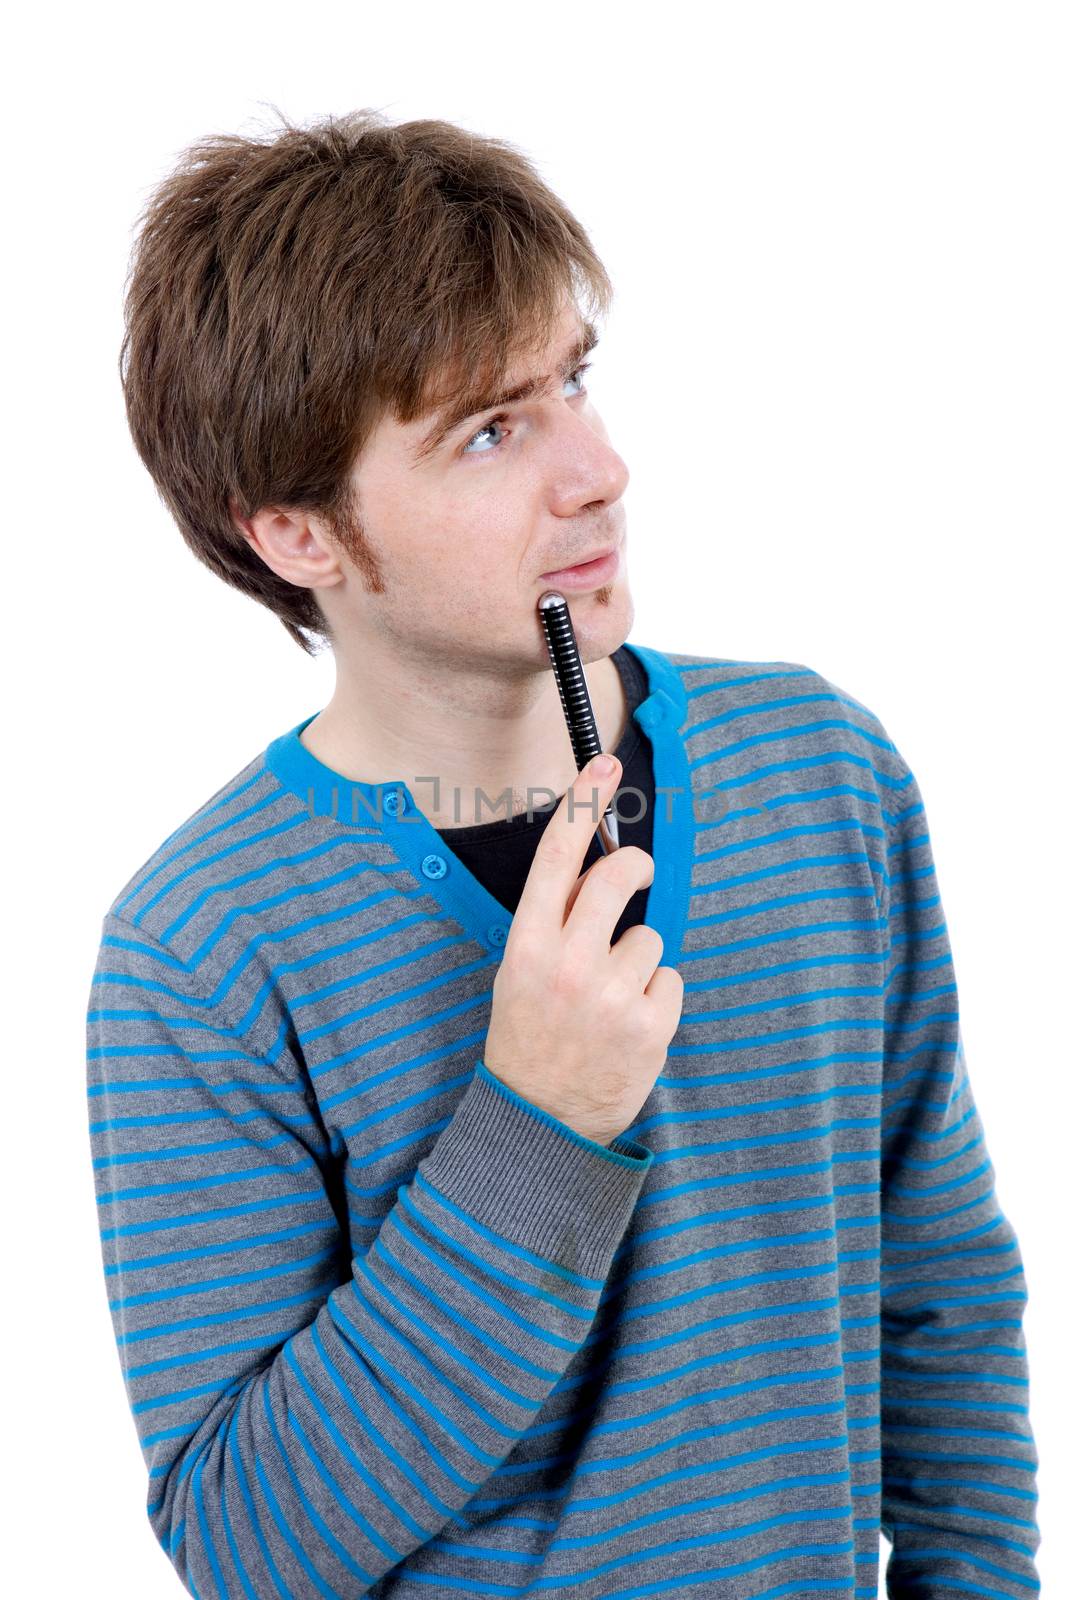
(453, 1245)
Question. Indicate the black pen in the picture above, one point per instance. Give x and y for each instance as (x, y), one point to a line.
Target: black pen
(574, 695)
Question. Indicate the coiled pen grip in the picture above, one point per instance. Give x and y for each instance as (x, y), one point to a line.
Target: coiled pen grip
(574, 697)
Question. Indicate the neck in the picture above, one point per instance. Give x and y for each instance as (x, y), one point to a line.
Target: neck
(468, 732)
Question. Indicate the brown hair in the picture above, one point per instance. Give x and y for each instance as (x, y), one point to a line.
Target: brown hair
(284, 293)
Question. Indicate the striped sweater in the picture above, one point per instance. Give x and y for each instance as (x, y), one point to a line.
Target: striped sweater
(389, 1329)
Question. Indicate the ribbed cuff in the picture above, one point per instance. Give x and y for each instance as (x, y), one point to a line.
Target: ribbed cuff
(519, 1170)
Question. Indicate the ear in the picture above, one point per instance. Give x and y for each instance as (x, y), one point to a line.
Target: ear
(291, 543)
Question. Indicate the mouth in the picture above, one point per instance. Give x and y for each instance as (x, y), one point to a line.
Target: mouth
(583, 561)
(598, 567)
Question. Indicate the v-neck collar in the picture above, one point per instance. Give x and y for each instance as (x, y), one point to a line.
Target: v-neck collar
(390, 809)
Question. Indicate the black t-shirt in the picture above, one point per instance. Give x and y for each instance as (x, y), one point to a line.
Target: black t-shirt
(500, 853)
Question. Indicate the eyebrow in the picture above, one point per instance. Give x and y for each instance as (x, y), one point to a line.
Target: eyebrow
(464, 410)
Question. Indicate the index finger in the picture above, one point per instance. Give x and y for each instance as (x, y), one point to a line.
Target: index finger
(558, 858)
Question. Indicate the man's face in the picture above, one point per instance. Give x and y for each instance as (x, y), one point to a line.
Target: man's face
(463, 534)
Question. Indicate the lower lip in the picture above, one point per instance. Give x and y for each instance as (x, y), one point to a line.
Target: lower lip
(588, 576)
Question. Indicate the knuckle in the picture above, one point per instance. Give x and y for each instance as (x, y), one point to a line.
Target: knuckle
(637, 860)
(619, 867)
(553, 850)
(650, 1027)
(615, 993)
(568, 980)
(612, 871)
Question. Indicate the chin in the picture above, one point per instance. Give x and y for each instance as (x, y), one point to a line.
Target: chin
(615, 596)
(606, 622)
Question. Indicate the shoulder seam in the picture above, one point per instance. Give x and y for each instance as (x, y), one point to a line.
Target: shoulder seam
(189, 978)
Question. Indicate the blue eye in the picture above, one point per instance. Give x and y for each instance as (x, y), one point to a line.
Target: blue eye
(486, 427)
(493, 422)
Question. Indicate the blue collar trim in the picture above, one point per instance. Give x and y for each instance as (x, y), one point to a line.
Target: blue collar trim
(390, 808)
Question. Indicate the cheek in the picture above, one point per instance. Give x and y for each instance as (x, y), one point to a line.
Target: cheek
(475, 524)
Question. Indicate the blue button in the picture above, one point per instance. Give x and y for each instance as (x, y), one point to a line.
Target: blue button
(497, 934)
(434, 866)
(394, 802)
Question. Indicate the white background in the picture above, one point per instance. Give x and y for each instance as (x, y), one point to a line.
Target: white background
(835, 369)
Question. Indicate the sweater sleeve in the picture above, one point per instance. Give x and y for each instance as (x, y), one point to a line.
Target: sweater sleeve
(308, 1420)
(958, 1454)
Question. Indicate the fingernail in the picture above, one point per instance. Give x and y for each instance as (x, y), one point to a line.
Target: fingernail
(603, 765)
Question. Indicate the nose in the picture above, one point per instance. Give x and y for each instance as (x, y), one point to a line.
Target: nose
(590, 470)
